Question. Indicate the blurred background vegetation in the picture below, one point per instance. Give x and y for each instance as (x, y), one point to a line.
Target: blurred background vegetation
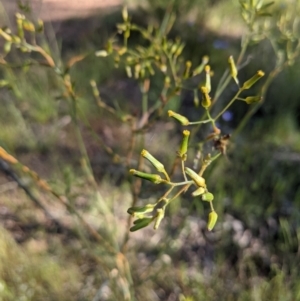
(46, 254)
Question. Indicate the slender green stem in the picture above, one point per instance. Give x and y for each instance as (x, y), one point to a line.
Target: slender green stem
(215, 157)
(221, 89)
(182, 190)
(210, 118)
(243, 50)
(180, 183)
(220, 84)
(200, 122)
(182, 168)
(166, 175)
(166, 194)
(229, 104)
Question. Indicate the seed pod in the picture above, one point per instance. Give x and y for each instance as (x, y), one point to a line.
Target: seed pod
(212, 219)
(250, 82)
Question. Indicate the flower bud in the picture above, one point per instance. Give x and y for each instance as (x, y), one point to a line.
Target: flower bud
(141, 223)
(206, 101)
(207, 78)
(128, 71)
(19, 20)
(179, 49)
(29, 26)
(5, 35)
(125, 13)
(40, 25)
(188, 65)
(196, 98)
(140, 211)
(212, 219)
(150, 68)
(250, 82)
(15, 39)
(159, 217)
(252, 99)
(184, 144)
(200, 68)
(198, 191)
(167, 81)
(7, 47)
(122, 51)
(156, 179)
(137, 70)
(127, 33)
(158, 165)
(102, 53)
(199, 181)
(182, 119)
(207, 197)
(163, 68)
(233, 69)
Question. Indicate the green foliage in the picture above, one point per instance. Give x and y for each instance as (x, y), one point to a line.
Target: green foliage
(48, 97)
